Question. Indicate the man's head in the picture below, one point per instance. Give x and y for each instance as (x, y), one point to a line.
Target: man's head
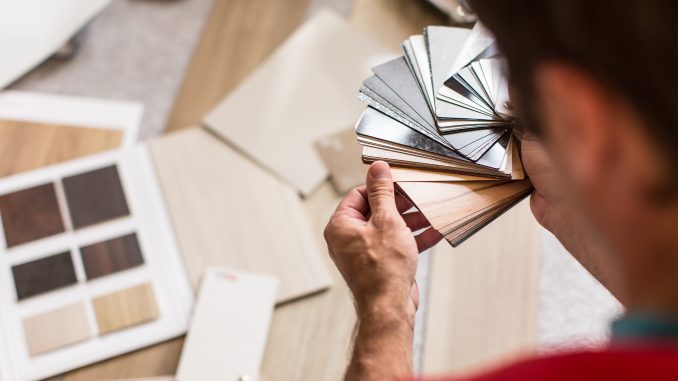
(598, 81)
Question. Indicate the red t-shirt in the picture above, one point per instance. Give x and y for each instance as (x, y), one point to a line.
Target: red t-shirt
(618, 363)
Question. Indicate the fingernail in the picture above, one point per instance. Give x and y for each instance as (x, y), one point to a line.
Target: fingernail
(379, 170)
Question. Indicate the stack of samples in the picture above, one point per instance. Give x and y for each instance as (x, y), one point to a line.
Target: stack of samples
(441, 117)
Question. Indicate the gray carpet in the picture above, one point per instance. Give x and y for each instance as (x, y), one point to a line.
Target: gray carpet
(134, 50)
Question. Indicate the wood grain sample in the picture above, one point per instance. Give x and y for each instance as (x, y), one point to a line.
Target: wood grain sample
(483, 297)
(459, 209)
(44, 275)
(96, 196)
(125, 308)
(30, 214)
(57, 328)
(229, 212)
(111, 256)
(49, 144)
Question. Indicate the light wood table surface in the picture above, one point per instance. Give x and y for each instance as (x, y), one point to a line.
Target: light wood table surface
(310, 337)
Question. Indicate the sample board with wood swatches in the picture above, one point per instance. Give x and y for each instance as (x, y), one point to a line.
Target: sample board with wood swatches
(113, 256)
(229, 212)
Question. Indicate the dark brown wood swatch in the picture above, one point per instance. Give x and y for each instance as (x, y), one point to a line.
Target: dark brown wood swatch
(30, 214)
(111, 256)
(44, 275)
(95, 196)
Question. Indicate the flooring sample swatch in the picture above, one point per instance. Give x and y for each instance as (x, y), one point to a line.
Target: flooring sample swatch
(55, 329)
(228, 331)
(126, 308)
(111, 256)
(30, 214)
(305, 91)
(95, 196)
(340, 153)
(57, 143)
(247, 218)
(459, 209)
(44, 275)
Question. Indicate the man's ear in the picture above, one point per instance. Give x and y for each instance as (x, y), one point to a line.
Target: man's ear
(577, 119)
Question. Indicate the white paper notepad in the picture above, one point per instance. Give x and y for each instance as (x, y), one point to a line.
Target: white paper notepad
(228, 332)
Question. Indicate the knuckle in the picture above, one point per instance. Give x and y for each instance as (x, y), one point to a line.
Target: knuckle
(382, 217)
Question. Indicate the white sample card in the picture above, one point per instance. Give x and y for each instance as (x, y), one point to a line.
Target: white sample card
(229, 328)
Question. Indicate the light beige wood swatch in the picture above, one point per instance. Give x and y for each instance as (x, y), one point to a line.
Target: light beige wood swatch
(458, 209)
(57, 328)
(483, 297)
(229, 212)
(306, 90)
(125, 308)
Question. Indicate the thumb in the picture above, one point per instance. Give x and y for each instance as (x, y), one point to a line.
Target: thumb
(380, 192)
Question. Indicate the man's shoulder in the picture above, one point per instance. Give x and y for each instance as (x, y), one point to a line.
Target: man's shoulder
(640, 362)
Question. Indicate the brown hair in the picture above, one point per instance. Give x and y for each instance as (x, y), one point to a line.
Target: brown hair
(630, 46)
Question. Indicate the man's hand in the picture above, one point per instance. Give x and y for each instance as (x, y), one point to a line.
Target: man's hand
(374, 248)
(556, 211)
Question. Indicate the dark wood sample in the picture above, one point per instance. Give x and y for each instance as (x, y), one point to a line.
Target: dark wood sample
(44, 275)
(95, 196)
(30, 214)
(111, 256)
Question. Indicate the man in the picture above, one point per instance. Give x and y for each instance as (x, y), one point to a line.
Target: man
(596, 82)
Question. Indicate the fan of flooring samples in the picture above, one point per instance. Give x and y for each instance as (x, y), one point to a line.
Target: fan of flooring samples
(441, 116)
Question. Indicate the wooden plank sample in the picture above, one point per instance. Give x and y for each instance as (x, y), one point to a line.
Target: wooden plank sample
(111, 256)
(96, 196)
(483, 297)
(30, 214)
(228, 212)
(44, 275)
(305, 91)
(49, 144)
(56, 328)
(458, 209)
(125, 308)
(310, 338)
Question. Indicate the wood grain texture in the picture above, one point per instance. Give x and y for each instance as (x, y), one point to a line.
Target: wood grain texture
(95, 196)
(44, 275)
(111, 256)
(125, 308)
(56, 328)
(310, 338)
(26, 145)
(457, 209)
(228, 212)
(483, 297)
(30, 214)
(238, 36)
